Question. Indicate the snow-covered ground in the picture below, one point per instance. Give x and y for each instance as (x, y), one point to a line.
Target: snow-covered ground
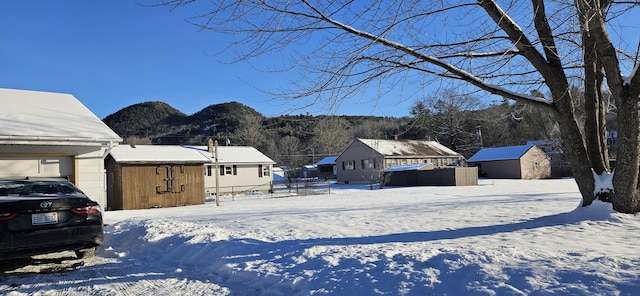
(502, 237)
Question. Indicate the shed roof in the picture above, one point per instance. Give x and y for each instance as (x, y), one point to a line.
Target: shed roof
(235, 154)
(500, 153)
(330, 160)
(407, 167)
(45, 116)
(156, 154)
(408, 147)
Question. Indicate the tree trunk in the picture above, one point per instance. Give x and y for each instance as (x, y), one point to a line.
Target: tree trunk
(625, 179)
(576, 152)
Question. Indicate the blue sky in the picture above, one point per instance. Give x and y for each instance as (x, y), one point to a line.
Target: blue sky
(112, 54)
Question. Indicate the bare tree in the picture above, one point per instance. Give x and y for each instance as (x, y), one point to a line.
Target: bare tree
(290, 147)
(251, 132)
(452, 122)
(330, 135)
(506, 50)
(135, 140)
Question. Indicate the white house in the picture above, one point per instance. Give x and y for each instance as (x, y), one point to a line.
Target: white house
(44, 134)
(240, 169)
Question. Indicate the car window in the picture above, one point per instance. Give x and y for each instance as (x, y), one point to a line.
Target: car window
(37, 188)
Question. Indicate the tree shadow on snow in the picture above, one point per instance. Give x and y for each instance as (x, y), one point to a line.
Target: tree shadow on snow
(556, 220)
(225, 262)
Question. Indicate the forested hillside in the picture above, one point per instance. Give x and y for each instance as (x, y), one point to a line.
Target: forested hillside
(300, 139)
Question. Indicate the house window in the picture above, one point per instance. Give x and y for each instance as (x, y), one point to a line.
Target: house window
(367, 164)
(348, 165)
(536, 165)
(228, 170)
(266, 172)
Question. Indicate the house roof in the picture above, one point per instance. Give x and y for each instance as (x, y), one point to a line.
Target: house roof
(44, 116)
(235, 154)
(327, 160)
(408, 148)
(156, 154)
(500, 153)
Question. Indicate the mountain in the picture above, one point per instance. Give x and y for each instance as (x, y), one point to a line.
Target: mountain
(146, 119)
(163, 124)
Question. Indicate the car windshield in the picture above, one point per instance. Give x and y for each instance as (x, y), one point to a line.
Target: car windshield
(37, 188)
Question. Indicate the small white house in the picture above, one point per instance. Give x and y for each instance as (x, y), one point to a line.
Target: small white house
(240, 169)
(44, 134)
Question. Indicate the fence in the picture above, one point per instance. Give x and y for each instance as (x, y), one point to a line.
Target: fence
(270, 190)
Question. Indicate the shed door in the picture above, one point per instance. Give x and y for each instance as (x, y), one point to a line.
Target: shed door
(36, 166)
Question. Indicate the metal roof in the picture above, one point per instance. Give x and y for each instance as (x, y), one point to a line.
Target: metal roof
(500, 153)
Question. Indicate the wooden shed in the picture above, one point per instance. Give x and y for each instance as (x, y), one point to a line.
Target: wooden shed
(148, 176)
(512, 162)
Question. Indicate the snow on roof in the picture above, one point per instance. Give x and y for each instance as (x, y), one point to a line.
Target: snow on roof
(38, 116)
(327, 160)
(406, 167)
(408, 148)
(235, 154)
(500, 153)
(156, 154)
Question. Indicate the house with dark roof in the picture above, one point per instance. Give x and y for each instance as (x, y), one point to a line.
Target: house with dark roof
(365, 159)
(512, 162)
(45, 134)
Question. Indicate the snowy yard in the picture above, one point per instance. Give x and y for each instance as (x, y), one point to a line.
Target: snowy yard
(503, 237)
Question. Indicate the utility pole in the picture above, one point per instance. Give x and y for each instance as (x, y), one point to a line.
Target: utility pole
(217, 173)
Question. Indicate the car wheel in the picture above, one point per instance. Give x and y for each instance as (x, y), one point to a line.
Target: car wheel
(86, 253)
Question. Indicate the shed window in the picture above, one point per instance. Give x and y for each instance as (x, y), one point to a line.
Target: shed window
(536, 166)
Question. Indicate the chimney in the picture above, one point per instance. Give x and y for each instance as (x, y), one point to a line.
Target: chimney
(210, 145)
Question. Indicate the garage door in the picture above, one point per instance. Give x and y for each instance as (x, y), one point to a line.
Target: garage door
(37, 166)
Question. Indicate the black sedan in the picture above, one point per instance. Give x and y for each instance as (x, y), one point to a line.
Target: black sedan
(39, 216)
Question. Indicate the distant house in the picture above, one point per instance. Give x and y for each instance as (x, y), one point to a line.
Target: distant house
(44, 134)
(154, 176)
(240, 169)
(364, 159)
(559, 165)
(513, 162)
(327, 167)
(308, 171)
